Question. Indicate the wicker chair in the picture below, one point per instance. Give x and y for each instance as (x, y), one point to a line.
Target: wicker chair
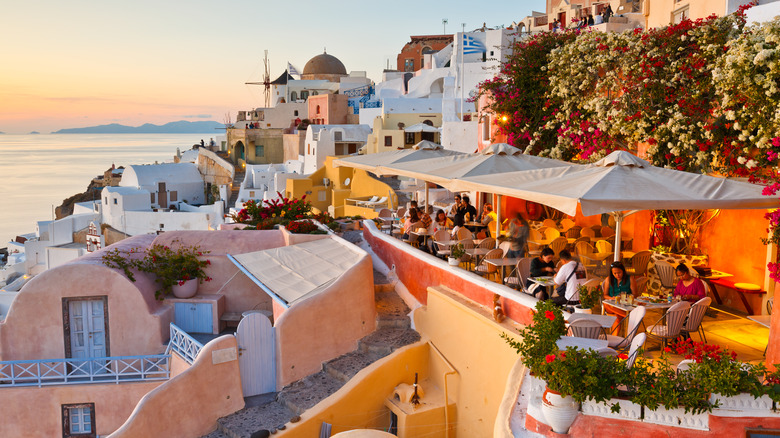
(639, 263)
(522, 272)
(695, 317)
(669, 326)
(486, 269)
(585, 328)
(465, 233)
(602, 246)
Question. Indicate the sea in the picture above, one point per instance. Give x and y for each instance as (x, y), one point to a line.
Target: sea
(37, 172)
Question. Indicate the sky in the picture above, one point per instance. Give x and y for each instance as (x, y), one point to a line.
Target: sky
(86, 62)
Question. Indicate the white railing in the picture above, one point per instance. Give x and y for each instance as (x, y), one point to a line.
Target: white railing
(183, 344)
(83, 371)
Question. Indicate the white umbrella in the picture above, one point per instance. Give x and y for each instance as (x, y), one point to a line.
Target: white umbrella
(618, 183)
(421, 151)
(497, 158)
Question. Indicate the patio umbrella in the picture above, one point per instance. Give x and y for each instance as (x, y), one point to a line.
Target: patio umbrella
(618, 183)
(371, 162)
(496, 159)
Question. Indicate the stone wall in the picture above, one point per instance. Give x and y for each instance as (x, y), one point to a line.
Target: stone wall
(654, 282)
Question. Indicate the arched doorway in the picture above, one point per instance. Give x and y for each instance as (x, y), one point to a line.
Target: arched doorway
(239, 151)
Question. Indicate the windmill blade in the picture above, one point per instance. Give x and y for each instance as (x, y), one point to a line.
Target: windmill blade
(267, 81)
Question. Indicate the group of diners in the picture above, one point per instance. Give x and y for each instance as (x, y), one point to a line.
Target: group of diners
(688, 288)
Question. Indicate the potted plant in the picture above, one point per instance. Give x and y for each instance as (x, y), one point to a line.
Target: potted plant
(456, 252)
(590, 297)
(177, 270)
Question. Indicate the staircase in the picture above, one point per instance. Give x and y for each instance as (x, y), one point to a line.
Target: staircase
(395, 184)
(393, 331)
(238, 178)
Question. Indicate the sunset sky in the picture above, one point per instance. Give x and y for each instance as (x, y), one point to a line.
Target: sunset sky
(86, 63)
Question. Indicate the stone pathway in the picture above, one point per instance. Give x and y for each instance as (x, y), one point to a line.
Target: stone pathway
(393, 331)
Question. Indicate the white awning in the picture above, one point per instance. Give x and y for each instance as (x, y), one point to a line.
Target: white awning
(290, 273)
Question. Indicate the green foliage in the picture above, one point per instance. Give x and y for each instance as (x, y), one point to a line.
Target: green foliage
(590, 297)
(170, 266)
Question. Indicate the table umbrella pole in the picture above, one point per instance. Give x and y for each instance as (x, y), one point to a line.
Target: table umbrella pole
(498, 220)
(618, 225)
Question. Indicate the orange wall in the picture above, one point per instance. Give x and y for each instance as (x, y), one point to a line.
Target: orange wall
(189, 404)
(418, 271)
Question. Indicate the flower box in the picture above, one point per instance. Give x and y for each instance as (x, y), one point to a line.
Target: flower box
(628, 409)
(677, 417)
(742, 405)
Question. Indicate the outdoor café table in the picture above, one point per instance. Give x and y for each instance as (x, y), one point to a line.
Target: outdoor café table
(477, 253)
(422, 234)
(546, 282)
(581, 343)
(476, 225)
(612, 307)
(716, 275)
(503, 263)
(761, 319)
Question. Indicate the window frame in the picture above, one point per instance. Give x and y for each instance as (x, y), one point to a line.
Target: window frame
(66, 433)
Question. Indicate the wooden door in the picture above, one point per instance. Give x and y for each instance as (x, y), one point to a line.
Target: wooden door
(257, 354)
(162, 195)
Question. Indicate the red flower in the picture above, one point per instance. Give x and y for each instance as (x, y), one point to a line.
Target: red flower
(623, 356)
(549, 315)
(667, 350)
(549, 358)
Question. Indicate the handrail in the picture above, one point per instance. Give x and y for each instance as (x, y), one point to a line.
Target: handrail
(79, 371)
(183, 344)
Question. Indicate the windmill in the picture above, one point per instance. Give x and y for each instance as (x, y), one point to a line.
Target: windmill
(266, 82)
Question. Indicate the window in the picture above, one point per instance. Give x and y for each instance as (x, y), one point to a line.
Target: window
(409, 65)
(410, 138)
(304, 95)
(78, 420)
(173, 195)
(295, 113)
(322, 196)
(106, 200)
(293, 98)
(260, 151)
(337, 135)
(318, 109)
(152, 198)
(388, 140)
(116, 201)
(314, 93)
(680, 15)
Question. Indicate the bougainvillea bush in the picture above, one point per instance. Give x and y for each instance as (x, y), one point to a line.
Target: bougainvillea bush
(266, 215)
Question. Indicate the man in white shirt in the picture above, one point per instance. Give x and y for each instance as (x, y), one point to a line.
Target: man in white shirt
(572, 273)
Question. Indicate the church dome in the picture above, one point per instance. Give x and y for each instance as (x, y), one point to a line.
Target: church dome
(324, 65)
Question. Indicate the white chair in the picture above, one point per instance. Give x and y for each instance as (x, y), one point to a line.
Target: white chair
(365, 203)
(376, 203)
(636, 344)
(585, 328)
(607, 352)
(634, 320)
(669, 326)
(695, 316)
(665, 272)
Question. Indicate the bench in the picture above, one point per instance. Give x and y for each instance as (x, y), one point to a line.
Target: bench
(740, 288)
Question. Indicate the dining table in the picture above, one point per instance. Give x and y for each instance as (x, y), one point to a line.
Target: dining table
(477, 253)
(612, 306)
(502, 263)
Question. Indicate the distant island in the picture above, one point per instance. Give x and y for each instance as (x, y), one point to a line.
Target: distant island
(34, 132)
(180, 127)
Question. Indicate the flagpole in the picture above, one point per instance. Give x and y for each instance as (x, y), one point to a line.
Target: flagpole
(462, 54)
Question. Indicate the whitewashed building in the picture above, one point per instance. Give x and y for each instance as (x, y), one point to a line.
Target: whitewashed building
(167, 183)
(330, 140)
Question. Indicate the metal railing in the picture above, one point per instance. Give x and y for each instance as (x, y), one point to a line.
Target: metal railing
(73, 371)
(183, 344)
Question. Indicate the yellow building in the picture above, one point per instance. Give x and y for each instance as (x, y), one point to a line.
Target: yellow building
(393, 129)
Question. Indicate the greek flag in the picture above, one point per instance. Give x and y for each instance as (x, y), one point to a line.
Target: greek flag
(472, 45)
(292, 70)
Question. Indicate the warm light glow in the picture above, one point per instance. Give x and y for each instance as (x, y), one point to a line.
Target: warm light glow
(504, 118)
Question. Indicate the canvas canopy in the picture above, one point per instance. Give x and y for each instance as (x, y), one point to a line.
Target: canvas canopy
(291, 273)
(496, 158)
(371, 162)
(620, 182)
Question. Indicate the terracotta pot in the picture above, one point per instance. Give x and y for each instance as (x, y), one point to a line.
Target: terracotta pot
(186, 290)
(559, 412)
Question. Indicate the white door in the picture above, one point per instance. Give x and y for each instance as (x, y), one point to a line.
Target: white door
(257, 354)
(87, 330)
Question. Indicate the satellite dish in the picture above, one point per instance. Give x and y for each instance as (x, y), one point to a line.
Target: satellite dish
(347, 181)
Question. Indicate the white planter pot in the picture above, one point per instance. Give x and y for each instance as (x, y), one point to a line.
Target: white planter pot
(578, 309)
(186, 290)
(742, 405)
(628, 410)
(453, 262)
(559, 412)
(678, 418)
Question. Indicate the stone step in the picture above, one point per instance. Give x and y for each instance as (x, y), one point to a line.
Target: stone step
(242, 424)
(307, 392)
(386, 340)
(346, 366)
(216, 434)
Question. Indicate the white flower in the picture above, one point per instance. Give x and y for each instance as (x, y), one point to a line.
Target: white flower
(741, 160)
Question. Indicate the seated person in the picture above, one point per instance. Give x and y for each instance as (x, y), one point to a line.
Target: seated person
(412, 205)
(618, 282)
(458, 221)
(689, 288)
(470, 212)
(571, 274)
(426, 220)
(488, 216)
(542, 266)
(442, 222)
(412, 219)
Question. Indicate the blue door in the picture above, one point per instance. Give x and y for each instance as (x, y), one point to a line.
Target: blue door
(194, 317)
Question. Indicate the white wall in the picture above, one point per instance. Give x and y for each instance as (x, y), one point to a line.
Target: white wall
(367, 115)
(460, 136)
(138, 222)
(59, 256)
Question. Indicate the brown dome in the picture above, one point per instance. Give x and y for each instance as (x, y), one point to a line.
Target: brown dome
(324, 65)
